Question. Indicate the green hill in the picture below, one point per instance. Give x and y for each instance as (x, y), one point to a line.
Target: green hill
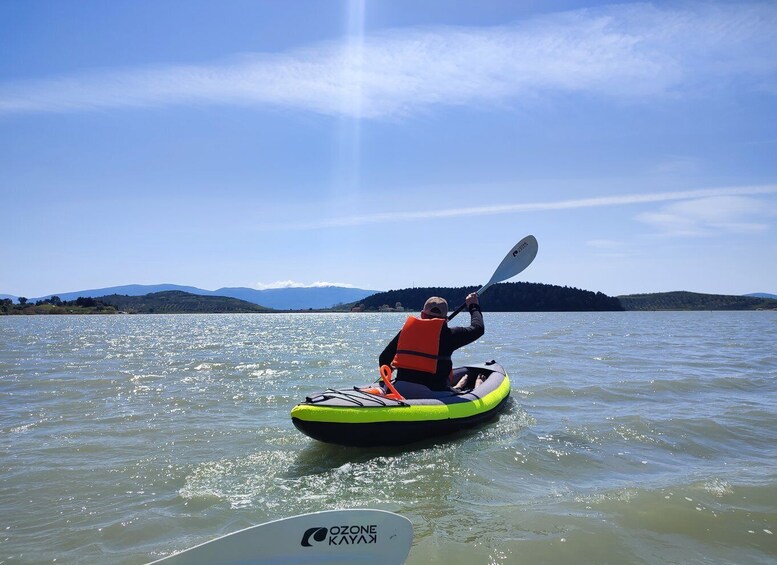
(682, 300)
(504, 297)
(178, 302)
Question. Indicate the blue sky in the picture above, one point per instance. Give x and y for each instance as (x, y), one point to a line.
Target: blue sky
(387, 144)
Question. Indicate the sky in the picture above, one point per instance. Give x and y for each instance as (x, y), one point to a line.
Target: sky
(387, 144)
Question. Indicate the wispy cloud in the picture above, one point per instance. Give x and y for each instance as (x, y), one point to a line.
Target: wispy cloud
(712, 195)
(625, 51)
(607, 244)
(608, 248)
(296, 284)
(711, 215)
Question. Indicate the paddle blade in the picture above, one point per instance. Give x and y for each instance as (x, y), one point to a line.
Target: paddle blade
(334, 536)
(519, 257)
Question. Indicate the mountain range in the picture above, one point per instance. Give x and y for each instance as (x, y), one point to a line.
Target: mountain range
(304, 298)
(293, 298)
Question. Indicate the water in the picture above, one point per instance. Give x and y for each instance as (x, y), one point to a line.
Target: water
(630, 437)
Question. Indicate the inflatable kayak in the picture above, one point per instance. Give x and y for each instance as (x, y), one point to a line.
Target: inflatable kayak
(366, 417)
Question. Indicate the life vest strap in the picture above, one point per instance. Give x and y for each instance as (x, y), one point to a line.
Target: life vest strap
(426, 355)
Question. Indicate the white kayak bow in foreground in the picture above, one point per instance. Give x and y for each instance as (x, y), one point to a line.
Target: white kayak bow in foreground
(334, 536)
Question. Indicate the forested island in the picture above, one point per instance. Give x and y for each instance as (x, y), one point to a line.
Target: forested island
(503, 297)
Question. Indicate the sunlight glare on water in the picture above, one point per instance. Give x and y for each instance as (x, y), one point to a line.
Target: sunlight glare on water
(629, 437)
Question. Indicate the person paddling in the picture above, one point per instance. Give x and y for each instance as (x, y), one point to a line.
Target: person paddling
(421, 351)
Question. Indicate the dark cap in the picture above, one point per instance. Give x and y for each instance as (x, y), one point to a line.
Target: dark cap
(436, 307)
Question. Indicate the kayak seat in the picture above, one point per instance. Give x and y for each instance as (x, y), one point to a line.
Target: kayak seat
(415, 391)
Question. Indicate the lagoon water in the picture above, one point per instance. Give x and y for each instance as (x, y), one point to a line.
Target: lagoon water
(629, 438)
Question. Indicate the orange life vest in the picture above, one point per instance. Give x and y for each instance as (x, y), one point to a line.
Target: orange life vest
(419, 345)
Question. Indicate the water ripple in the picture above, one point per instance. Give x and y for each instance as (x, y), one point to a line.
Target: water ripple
(630, 437)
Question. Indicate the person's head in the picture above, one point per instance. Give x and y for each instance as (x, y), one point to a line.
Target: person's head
(435, 307)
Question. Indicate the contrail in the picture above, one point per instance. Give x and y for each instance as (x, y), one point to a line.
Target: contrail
(598, 202)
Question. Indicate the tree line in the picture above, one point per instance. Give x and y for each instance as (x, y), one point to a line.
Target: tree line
(503, 297)
(55, 305)
(166, 302)
(683, 300)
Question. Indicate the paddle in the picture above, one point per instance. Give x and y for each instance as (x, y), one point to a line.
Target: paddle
(519, 257)
(333, 536)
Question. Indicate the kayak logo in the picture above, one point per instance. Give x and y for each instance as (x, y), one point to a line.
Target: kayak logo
(341, 535)
(520, 248)
(318, 534)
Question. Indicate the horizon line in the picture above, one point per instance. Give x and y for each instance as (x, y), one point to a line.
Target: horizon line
(45, 296)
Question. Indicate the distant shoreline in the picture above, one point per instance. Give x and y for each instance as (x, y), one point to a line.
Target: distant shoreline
(505, 297)
(28, 313)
